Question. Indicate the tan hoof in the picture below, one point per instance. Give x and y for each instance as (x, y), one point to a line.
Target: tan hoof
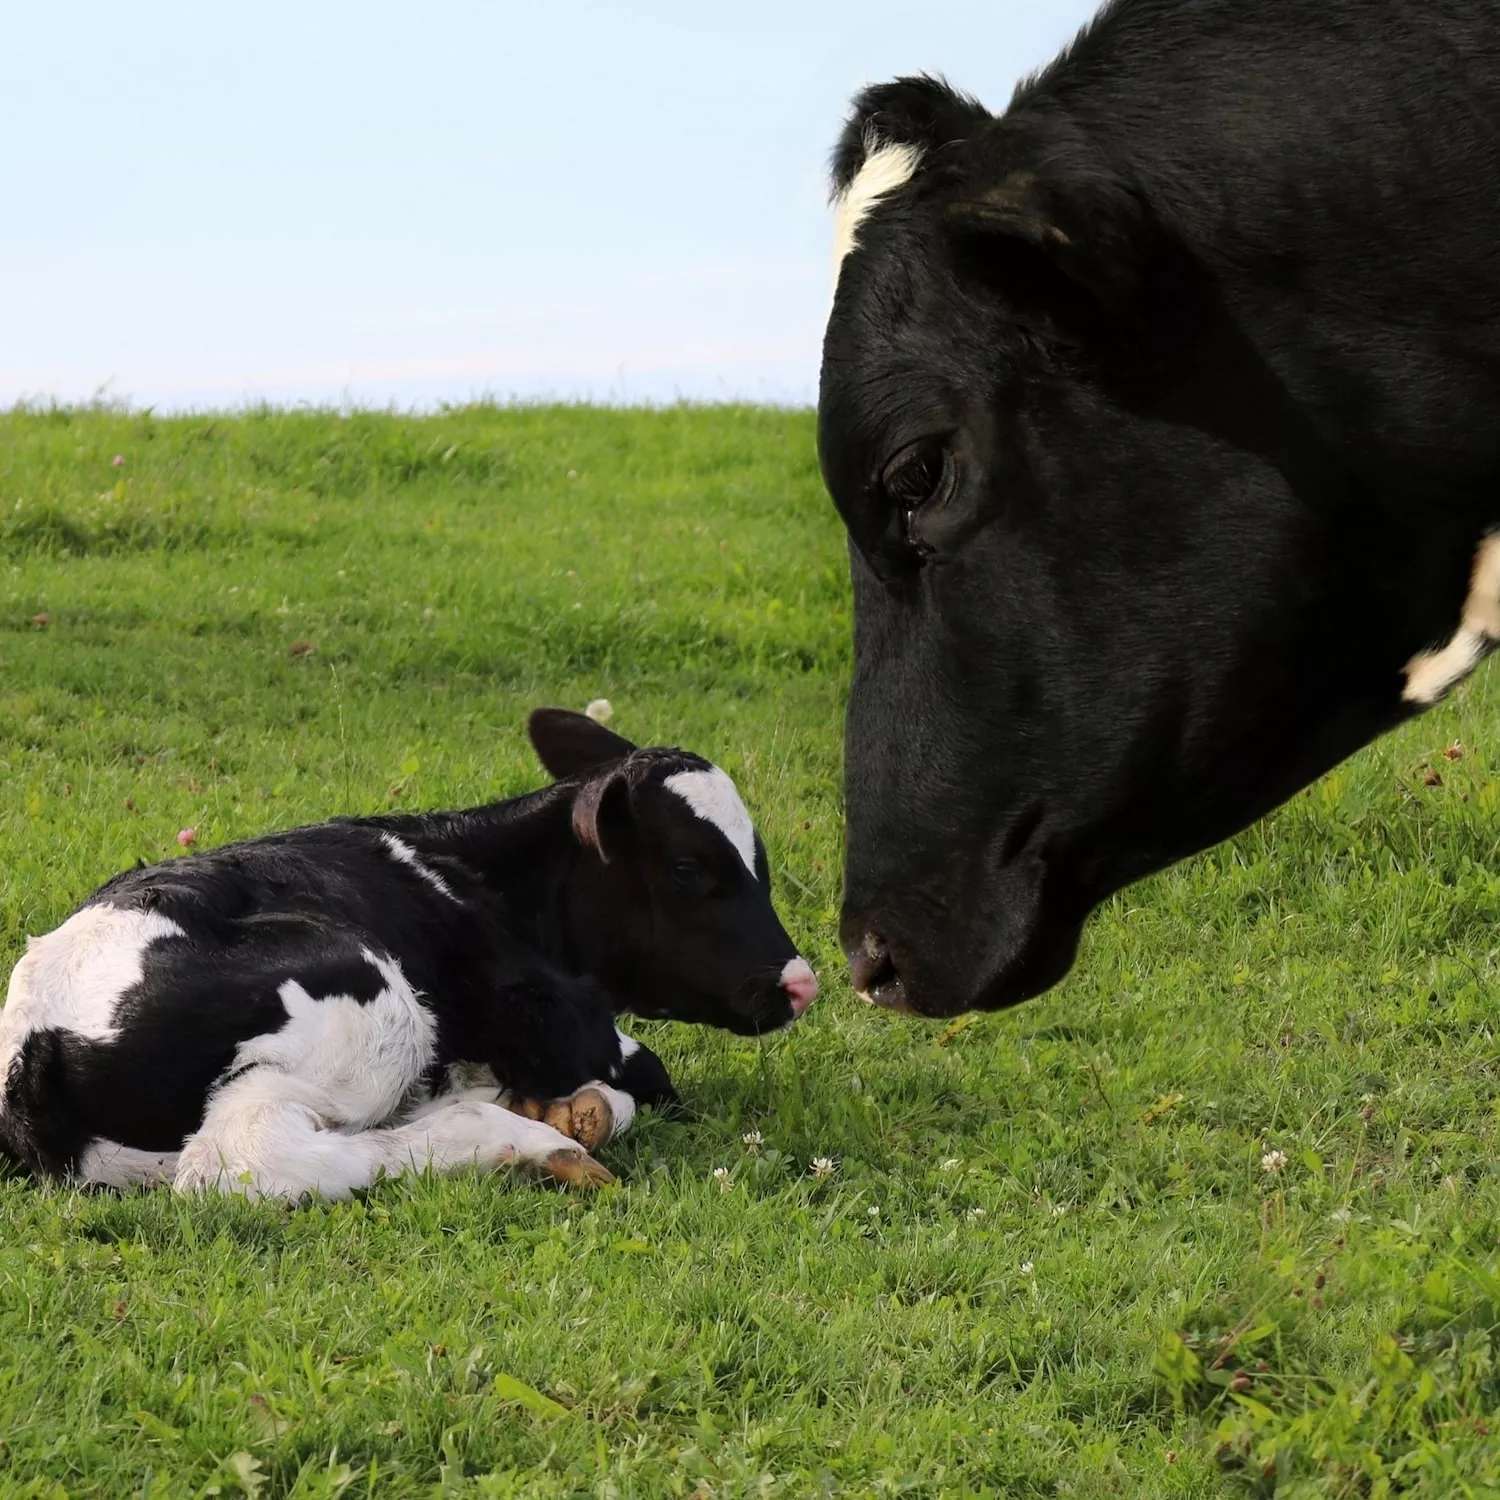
(520, 1104)
(577, 1169)
(586, 1118)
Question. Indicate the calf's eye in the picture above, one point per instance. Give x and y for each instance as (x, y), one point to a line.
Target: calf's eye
(685, 872)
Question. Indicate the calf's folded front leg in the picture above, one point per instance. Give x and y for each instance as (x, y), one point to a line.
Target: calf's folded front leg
(599, 1111)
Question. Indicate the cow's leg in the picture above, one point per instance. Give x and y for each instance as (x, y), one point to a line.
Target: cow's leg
(266, 1134)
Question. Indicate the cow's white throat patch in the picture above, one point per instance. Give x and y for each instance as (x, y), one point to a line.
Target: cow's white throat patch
(1431, 675)
(885, 168)
(712, 795)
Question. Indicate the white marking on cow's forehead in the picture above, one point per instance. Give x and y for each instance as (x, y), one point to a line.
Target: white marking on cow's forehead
(885, 169)
(712, 795)
(1430, 675)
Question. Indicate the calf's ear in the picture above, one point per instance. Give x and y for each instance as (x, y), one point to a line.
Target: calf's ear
(569, 744)
(602, 816)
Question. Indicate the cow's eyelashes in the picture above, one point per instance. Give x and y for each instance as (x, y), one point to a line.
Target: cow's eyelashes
(915, 477)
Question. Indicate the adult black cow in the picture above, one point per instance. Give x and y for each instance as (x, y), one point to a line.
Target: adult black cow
(1163, 411)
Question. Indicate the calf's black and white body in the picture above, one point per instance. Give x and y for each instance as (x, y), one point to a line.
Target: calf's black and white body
(305, 1011)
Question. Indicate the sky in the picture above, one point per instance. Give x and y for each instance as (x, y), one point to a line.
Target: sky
(207, 205)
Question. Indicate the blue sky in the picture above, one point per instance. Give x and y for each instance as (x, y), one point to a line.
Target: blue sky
(373, 203)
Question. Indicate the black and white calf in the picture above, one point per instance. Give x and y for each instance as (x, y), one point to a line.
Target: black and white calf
(304, 1011)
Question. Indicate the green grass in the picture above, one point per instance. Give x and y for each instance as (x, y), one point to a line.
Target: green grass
(1050, 1260)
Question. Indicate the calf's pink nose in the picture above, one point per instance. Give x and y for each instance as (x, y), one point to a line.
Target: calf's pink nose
(800, 983)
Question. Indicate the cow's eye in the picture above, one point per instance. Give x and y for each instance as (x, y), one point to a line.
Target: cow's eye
(685, 872)
(913, 478)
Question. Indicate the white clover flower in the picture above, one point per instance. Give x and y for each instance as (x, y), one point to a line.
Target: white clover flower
(951, 1165)
(1027, 1268)
(1059, 1209)
(753, 1140)
(823, 1166)
(873, 1210)
(1273, 1161)
(600, 709)
(976, 1213)
(723, 1177)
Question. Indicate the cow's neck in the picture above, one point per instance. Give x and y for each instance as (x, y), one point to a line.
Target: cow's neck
(1419, 447)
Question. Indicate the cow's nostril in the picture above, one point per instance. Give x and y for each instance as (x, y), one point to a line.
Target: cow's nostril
(874, 974)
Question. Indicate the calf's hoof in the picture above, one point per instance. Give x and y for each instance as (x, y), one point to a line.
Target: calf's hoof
(585, 1117)
(576, 1169)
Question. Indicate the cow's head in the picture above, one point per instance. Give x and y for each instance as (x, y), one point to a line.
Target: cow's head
(669, 905)
(1115, 593)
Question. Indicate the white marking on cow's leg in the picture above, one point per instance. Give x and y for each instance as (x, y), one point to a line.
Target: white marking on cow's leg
(885, 168)
(109, 1164)
(403, 853)
(276, 1127)
(266, 1135)
(1432, 674)
(74, 976)
(628, 1045)
(712, 796)
(361, 1057)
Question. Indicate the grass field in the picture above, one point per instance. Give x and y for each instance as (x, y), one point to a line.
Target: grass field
(1216, 1218)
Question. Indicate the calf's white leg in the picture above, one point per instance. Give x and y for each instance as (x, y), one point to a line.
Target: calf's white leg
(109, 1164)
(265, 1135)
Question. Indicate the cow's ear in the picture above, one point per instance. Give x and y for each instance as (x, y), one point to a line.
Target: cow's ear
(602, 818)
(569, 744)
(921, 112)
(1075, 240)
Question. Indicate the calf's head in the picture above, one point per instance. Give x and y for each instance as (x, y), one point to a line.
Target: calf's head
(1115, 593)
(670, 904)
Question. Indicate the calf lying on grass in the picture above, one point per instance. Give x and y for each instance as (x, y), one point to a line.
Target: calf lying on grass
(305, 1011)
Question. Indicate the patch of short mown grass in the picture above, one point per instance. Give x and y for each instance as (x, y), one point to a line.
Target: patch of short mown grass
(1216, 1218)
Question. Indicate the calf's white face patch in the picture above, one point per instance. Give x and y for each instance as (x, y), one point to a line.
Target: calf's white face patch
(712, 795)
(885, 168)
(1430, 675)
